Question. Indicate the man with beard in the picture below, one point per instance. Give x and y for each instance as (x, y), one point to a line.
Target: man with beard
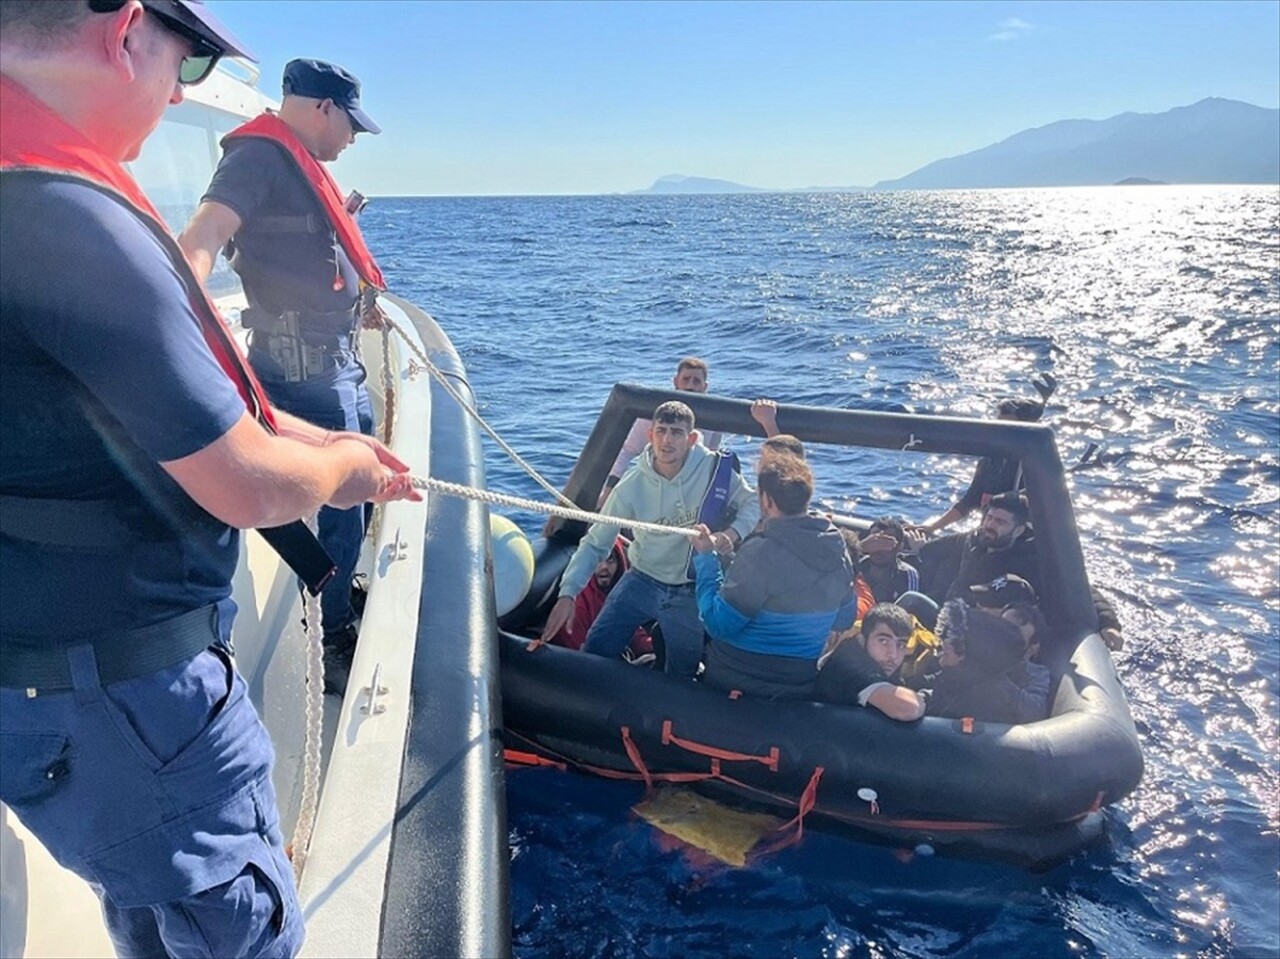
(1004, 543)
(589, 602)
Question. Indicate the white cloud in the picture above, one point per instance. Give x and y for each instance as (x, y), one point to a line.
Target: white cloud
(1011, 29)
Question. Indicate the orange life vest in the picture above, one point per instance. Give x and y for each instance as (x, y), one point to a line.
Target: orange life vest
(268, 126)
(34, 138)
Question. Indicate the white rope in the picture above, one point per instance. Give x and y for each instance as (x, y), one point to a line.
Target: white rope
(315, 729)
(449, 388)
(504, 499)
(388, 390)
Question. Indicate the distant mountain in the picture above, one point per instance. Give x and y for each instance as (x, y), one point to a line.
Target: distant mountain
(675, 183)
(1213, 141)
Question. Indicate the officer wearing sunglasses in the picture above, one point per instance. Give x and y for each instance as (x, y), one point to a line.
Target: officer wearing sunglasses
(189, 20)
(133, 453)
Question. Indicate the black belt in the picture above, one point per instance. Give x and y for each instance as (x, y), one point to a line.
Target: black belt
(120, 656)
(95, 524)
(312, 327)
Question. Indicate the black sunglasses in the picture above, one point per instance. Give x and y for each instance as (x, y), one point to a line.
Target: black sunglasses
(202, 60)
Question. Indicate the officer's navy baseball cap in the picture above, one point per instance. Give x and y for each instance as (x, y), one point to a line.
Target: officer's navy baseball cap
(191, 18)
(328, 81)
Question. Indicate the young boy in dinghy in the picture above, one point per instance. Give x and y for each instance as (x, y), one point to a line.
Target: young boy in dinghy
(863, 670)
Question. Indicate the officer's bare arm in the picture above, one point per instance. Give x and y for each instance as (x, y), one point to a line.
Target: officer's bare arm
(206, 234)
(249, 478)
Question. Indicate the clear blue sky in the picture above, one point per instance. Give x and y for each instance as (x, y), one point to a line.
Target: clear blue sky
(586, 97)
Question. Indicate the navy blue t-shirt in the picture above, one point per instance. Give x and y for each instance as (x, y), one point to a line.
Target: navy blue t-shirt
(104, 373)
(289, 271)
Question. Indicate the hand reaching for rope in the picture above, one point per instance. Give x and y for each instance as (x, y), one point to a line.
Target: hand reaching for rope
(374, 473)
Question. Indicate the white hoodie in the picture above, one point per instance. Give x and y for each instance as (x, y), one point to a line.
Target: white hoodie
(642, 494)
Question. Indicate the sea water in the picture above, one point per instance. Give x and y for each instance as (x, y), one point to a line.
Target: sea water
(1157, 309)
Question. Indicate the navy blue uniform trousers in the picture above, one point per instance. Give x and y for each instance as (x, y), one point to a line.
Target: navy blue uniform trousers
(157, 790)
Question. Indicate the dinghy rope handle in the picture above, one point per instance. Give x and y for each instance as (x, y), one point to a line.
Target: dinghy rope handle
(567, 509)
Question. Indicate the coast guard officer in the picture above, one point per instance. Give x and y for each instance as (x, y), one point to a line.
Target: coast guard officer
(135, 441)
(304, 265)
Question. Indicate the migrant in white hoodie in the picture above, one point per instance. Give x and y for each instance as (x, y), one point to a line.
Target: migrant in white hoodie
(642, 494)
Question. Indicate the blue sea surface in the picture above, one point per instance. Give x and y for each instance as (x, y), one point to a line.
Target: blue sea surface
(1157, 309)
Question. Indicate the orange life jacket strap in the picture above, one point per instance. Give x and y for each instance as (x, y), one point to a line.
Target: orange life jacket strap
(268, 126)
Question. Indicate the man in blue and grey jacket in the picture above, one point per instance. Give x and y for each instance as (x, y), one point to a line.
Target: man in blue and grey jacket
(790, 585)
(676, 481)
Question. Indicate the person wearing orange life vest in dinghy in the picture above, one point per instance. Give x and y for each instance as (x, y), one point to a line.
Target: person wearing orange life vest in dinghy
(303, 263)
(128, 742)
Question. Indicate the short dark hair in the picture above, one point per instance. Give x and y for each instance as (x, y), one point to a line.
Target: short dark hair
(783, 443)
(1011, 502)
(789, 483)
(693, 363)
(673, 411)
(1022, 410)
(892, 615)
(891, 525)
(42, 21)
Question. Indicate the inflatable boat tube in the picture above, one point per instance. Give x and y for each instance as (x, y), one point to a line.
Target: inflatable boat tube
(1031, 793)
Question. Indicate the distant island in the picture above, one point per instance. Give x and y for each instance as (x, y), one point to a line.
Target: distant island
(678, 183)
(1212, 141)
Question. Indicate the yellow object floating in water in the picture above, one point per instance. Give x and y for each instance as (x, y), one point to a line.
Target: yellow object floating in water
(728, 834)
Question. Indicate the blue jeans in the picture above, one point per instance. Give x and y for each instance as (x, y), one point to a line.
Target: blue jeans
(637, 599)
(157, 791)
(334, 400)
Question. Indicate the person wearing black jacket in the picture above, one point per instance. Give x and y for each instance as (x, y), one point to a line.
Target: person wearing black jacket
(1004, 544)
(978, 652)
